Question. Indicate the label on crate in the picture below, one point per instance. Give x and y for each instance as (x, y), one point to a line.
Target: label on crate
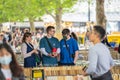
(38, 74)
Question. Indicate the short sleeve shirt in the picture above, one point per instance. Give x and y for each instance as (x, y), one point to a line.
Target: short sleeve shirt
(44, 44)
(65, 55)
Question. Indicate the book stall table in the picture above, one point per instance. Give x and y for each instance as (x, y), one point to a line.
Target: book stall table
(56, 73)
(65, 73)
(71, 72)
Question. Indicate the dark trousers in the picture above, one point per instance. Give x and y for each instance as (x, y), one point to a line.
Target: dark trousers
(66, 64)
(106, 76)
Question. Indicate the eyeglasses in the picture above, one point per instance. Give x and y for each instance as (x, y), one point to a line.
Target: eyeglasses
(53, 31)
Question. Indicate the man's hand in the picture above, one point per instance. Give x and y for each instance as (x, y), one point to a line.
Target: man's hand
(55, 54)
(51, 55)
(35, 51)
(74, 62)
(84, 73)
(111, 68)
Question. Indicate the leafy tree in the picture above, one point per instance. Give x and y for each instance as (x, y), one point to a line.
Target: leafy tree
(56, 8)
(14, 10)
(100, 13)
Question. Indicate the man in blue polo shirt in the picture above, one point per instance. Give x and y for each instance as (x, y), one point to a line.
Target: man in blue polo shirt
(48, 45)
(69, 49)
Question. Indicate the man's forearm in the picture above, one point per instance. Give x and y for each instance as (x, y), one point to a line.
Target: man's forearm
(76, 56)
(44, 52)
(58, 51)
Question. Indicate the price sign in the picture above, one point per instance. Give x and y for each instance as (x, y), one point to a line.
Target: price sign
(38, 74)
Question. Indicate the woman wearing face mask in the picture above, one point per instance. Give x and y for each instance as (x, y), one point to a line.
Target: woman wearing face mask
(9, 68)
(28, 51)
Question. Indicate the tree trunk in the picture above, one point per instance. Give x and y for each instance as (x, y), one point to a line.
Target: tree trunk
(32, 27)
(100, 13)
(58, 20)
(0, 27)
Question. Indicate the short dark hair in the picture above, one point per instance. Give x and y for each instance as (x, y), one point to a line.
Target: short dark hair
(65, 31)
(100, 30)
(49, 28)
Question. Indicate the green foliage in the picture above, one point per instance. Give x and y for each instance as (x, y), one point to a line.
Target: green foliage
(14, 10)
(53, 5)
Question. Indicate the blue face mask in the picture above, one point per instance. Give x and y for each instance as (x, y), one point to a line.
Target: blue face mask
(5, 60)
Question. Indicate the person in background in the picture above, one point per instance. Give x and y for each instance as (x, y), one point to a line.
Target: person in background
(26, 30)
(73, 35)
(50, 48)
(119, 49)
(8, 37)
(1, 38)
(99, 57)
(17, 38)
(28, 51)
(39, 35)
(69, 49)
(88, 43)
(87, 35)
(105, 41)
(9, 68)
(4, 38)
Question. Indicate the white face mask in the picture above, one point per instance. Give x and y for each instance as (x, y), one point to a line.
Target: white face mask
(33, 37)
(6, 36)
(5, 60)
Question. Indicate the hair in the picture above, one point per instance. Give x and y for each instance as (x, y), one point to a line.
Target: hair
(26, 30)
(49, 28)
(100, 30)
(1, 34)
(73, 35)
(66, 31)
(27, 34)
(16, 29)
(14, 66)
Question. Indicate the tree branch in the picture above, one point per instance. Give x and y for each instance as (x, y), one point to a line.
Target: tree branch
(50, 14)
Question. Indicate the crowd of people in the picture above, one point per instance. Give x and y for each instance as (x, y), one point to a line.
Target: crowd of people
(49, 51)
(10, 69)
